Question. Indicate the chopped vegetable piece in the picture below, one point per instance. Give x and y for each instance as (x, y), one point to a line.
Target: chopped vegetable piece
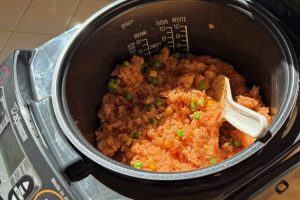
(153, 73)
(157, 65)
(237, 143)
(169, 110)
(200, 102)
(167, 144)
(144, 141)
(193, 99)
(152, 165)
(212, 160)
(136, 135)
(227, 146)
(138, 165)
(117, 81)
(202, 86)
(148, 107)
(144, 66)
(125, 63)
(157, 102)
(210, 102)
(196, 116)
(177, 55)
(128, 141)
(206, 146)
(128, 96)
(180, 133)
(113, 85)
(154, 81)
(153, 120)
(192, 106)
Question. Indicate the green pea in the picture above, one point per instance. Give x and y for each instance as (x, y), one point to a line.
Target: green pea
(128, 96)
(117, 81)
(157, 103)
(196, 116)
(153, 120)
(157, 65)
(125, 64)
(136, 135)
(192, 106)
(202, 86)
(111, 84)
(212, 160)
(200, 102)
(237, 143)
(138, 165)
(180, 133)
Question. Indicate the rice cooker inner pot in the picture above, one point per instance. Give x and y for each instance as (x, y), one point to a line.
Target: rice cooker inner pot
(234, 31)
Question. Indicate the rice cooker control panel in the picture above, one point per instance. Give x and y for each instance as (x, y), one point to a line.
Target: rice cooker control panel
(25, 171)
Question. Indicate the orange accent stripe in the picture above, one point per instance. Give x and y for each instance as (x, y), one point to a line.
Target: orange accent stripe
(48, 191)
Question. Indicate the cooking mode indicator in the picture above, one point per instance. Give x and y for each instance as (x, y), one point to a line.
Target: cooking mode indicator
(22, 189)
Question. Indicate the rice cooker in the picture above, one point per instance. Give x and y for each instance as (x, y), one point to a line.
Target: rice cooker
(50, 96)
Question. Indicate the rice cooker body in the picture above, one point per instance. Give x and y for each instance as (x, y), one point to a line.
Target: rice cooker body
(239, 32)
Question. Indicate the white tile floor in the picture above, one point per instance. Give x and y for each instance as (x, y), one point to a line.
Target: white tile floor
(11, 11)
(25, 24)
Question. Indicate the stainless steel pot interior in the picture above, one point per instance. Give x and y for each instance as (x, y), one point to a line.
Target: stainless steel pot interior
(243, 35)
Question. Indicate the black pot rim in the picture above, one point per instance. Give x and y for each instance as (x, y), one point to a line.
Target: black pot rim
(74, 135)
